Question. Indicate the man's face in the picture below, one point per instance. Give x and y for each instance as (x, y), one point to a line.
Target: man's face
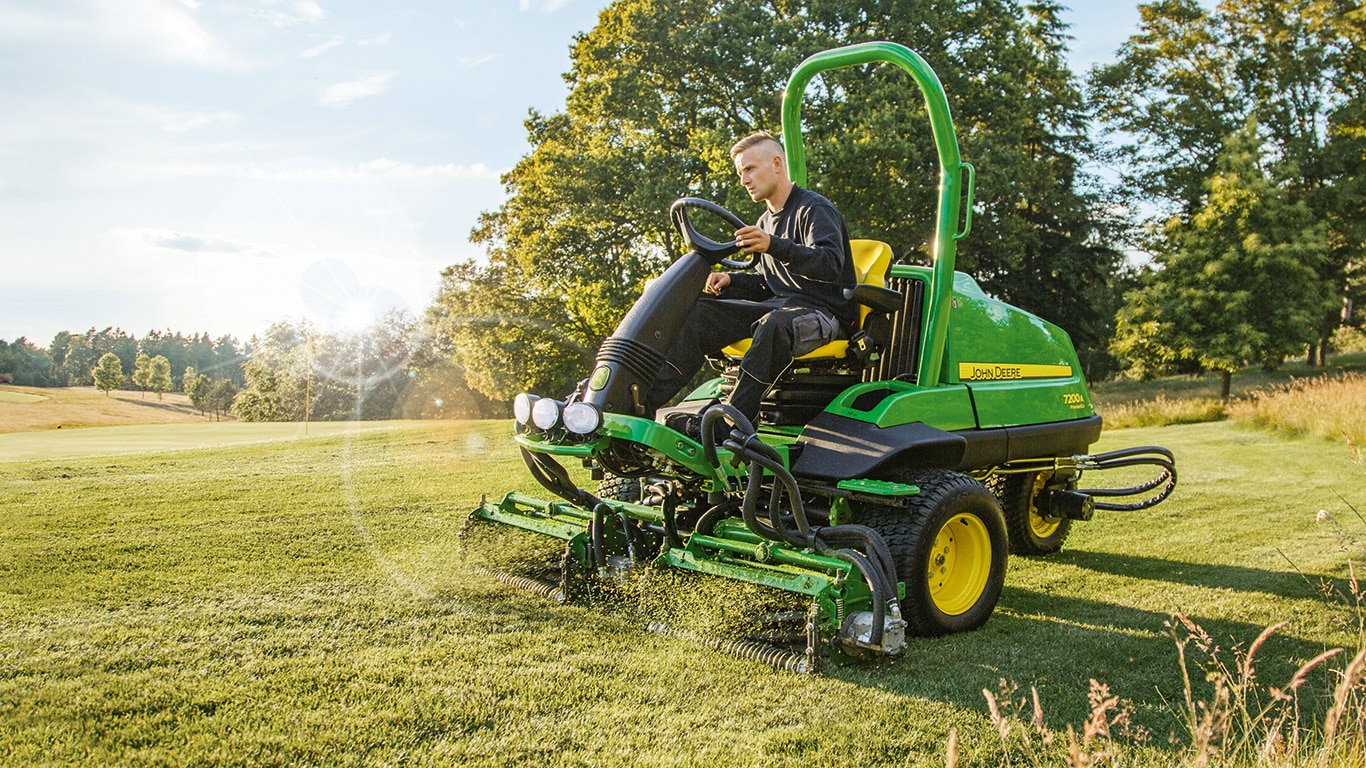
(761, 170)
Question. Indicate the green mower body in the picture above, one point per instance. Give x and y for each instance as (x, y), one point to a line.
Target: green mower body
(886, 481)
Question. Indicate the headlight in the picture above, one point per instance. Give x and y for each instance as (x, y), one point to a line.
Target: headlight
(581, 418)
(521, 407)
(545, 413)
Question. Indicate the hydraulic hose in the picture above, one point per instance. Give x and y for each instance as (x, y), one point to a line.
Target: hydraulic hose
(1146, 455)
(875, 583)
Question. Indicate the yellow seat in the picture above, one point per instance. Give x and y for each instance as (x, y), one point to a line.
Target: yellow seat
(871, 259)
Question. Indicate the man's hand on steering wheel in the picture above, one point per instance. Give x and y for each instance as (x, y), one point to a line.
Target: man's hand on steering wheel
(751, 239)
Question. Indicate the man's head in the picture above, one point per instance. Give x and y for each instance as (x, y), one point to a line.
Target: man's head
(762, 168)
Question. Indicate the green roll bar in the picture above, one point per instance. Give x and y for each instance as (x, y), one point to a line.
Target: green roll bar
(951, 182)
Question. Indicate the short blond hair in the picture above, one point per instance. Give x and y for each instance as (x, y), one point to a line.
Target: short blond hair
(753, 140)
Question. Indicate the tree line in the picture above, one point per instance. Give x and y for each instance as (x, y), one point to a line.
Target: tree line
(1227, 231)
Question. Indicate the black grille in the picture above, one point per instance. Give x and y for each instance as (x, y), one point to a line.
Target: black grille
(639, 359)
(901, 355)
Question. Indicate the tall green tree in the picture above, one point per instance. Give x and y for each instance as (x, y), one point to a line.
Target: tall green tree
(108, 374)
(660, 90)
(1238, 282)
(1191, 77)
(159, 375)
(142, 372)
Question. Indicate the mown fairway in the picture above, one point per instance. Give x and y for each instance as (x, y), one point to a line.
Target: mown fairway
(304, 602)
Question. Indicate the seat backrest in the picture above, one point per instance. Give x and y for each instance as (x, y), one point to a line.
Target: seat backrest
(871, 259)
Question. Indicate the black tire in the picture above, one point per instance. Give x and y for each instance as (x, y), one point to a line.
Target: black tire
(617, 488)
(969, 575)
(1031, 534)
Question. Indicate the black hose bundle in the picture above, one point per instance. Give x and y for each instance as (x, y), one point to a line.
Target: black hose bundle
(840, 541)
(1145, 455)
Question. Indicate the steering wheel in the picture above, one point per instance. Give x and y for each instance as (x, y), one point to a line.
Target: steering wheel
(712, 251)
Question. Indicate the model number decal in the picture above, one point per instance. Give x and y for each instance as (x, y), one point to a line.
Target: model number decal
(1073, 399)
(1007, 371)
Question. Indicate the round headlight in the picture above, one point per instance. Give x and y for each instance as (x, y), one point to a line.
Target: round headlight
(581, 418)
(521, 407)
(545, 413)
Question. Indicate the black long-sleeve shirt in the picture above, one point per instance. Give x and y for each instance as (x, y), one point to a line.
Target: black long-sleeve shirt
(808, 262)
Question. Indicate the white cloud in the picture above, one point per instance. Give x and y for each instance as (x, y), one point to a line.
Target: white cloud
(322, 48)
(179, 123)
(470, 63)
(544, 6)
(157, 29)
(380, 170)
(383, 39)
(342, 94)
(187, 241)
(301, 12)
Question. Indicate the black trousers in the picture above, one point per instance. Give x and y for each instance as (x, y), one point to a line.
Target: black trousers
(780, 334)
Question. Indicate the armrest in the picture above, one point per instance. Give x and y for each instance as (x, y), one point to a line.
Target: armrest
(879, 298)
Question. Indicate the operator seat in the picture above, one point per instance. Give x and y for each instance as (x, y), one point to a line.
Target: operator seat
(871, 259)
(805, 389)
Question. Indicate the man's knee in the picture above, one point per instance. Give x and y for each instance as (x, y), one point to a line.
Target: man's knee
(774, 331)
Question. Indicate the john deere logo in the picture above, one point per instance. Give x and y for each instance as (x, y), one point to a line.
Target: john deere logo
(1010, 371)
(599, 379)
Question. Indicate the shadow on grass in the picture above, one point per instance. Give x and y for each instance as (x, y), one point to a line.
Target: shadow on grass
(1059, 644)
(1278, 583)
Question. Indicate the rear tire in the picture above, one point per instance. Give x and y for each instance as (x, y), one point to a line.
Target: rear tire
(1031, 533)
(950, 547)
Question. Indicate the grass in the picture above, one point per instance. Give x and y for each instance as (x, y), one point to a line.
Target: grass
(1189, 400)
(307, 601)
(144, 438)
(32, 409)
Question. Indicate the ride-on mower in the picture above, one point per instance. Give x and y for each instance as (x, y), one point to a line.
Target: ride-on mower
(887, 475)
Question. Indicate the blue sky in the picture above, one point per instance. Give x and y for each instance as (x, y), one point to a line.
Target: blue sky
(218, 166)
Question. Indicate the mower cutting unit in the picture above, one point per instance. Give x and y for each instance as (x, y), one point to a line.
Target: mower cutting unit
(889, 473)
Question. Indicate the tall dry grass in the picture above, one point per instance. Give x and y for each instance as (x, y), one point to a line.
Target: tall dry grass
(1231, 717)
(1332, 407)
(1161, 411)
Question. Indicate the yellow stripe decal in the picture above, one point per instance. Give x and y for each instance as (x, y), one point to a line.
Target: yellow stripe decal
(1006, 371)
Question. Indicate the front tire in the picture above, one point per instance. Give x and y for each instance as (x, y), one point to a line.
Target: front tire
(950, 549)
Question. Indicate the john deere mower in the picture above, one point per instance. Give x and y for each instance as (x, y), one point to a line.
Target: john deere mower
(888, 474)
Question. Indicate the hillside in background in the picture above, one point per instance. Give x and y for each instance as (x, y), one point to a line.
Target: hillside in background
(30, 409)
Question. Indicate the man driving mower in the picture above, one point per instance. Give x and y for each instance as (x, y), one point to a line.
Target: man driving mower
(800, 299)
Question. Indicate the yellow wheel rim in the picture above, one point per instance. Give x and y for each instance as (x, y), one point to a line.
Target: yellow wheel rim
(1042, 527)
(959, 564)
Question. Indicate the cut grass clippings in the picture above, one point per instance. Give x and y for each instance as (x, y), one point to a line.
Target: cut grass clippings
(308, 602)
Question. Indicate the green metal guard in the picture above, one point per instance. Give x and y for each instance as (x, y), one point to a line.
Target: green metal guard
(952, 170)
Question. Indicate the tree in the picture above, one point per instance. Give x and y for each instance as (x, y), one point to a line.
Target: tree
(142, 372)
(1239, 278)
(221, 396)
(1190, 78)
(659, 91)
(159, 375)
(197, 387)
(25, 364)
(108, 375)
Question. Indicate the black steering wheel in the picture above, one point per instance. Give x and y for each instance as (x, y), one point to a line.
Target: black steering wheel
(712, 251)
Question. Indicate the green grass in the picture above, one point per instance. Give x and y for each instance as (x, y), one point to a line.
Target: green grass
(144, 438)
(304, 602)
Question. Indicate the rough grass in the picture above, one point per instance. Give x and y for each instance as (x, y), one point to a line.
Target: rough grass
(1331, 407)
(29, 409)
(308, 602)
(1188, 400)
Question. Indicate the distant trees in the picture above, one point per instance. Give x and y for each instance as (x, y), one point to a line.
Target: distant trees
(370, 374)
(24, 364)
(73, 356)
(108, 374)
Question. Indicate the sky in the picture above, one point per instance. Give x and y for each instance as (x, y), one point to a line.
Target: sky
(202, 166)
